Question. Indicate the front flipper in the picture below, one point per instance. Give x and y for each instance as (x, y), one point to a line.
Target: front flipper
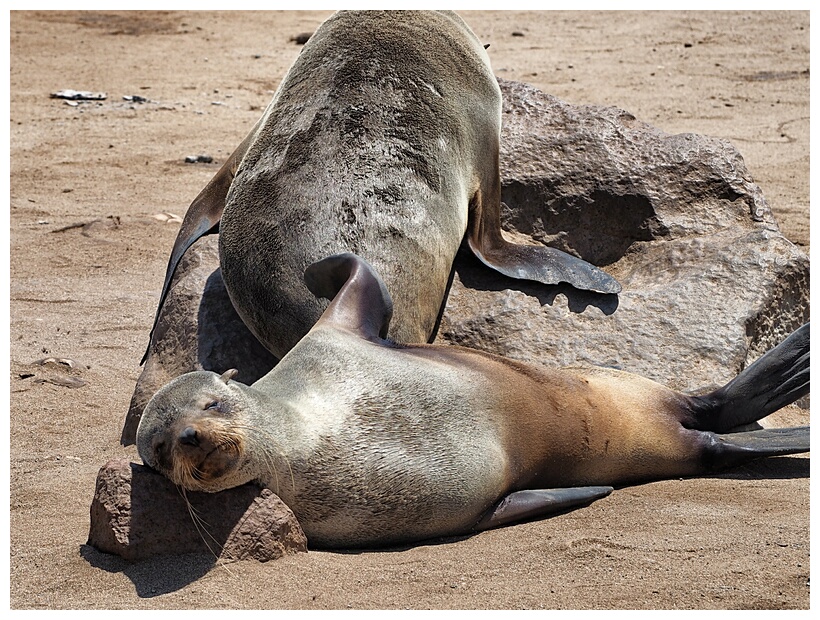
(530, 504)
(546, 265)
(526, 262)
(202, 218)
(360, 301)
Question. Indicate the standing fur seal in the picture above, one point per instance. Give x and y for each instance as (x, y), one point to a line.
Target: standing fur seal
(382, 140)
(374, 443)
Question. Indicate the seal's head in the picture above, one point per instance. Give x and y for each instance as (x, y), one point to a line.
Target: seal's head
(191, 431)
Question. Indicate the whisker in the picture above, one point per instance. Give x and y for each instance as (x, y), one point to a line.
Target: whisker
(201, 527)
(271, 450)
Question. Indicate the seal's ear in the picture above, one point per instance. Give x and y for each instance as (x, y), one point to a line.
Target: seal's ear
(486, 45)
(229, 374)
(360, 301)
(202, 218)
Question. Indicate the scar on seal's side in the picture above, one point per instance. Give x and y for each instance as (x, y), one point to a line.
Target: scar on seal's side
(374, 443)
(383, 140)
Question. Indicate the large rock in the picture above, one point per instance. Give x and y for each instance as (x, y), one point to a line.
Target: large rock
(137, 513)
(709, 281)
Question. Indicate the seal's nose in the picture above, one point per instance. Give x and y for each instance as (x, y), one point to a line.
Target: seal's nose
(189, 436)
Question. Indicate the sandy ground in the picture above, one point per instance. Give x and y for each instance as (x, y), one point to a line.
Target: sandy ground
(87, 260)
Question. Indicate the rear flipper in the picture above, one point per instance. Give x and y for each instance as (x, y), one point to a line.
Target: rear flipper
(777, 379)
(733, 449)
(531, 504)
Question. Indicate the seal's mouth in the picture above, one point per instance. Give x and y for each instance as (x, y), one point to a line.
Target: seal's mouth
(197, 472)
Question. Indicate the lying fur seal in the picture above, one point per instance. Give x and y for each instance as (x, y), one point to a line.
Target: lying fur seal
(383, 140)
(374, 443)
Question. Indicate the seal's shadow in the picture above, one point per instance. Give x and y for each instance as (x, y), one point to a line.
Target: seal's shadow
(165, 574)
(154, 576)
(772, 468)
(223, 339)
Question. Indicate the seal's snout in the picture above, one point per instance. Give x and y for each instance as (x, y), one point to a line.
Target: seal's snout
(195, 441)
(204, 450)
(189, 436)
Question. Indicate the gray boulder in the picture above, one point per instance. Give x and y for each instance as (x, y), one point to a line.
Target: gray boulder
(709, 282)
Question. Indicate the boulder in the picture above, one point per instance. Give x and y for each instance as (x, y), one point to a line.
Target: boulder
(137, 513)
(709, 282)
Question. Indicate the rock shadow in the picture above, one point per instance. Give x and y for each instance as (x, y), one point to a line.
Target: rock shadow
(223, 339)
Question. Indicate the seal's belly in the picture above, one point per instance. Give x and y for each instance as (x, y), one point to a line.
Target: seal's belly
(388, 447)
(389, 491)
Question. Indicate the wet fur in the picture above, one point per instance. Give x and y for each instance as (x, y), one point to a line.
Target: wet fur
(360, 153)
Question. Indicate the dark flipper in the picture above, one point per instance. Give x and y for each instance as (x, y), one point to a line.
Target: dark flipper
(776, 379)
(530, 504)
(771, 441)
(546, 265)
(526, 262)
(732, 449)
(360, 301)
(201, 218)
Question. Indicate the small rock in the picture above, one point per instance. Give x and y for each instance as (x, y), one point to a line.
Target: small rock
(60, 371)
(168, 217)
(63, 381)
(78, 95)
(301, 38)
(137, 513)
(198, 159)
(57, 362)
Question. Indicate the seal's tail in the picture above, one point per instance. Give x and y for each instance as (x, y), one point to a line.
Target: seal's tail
(778, 378)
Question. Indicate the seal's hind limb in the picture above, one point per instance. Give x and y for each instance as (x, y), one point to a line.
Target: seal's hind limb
(778, 378)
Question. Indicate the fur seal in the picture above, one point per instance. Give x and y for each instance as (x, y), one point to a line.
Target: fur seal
(382, 140)
(374, 443)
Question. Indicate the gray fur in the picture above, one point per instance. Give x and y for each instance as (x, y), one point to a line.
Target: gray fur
(372, 144)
